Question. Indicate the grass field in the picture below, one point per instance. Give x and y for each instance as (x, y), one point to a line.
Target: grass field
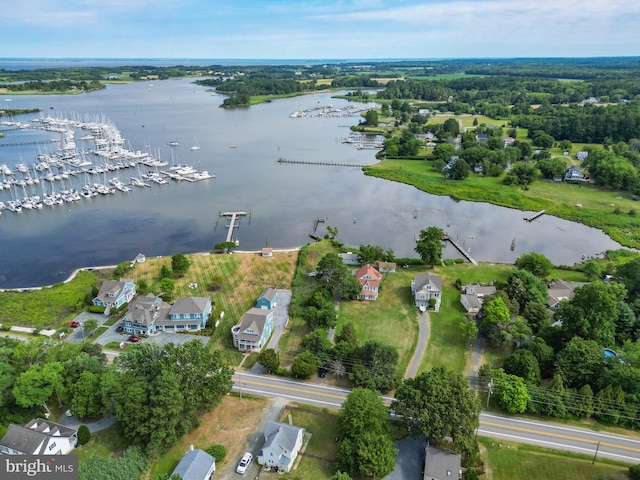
(508, 461)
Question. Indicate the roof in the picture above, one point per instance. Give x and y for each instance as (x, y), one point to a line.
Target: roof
(441, 464)
(481, 290)
(189, 305)
(34, 437)
(561, 290)
(254, 319)
(109, 288)
(280, 437)
(195, 465)
(427, 278)
(387, 265)
(472, 300)
(269, 293)
(368, 270)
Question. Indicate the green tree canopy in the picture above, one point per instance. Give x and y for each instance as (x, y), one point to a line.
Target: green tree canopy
(510, 391)
(535, 263)
(180, 264)
(429, 245)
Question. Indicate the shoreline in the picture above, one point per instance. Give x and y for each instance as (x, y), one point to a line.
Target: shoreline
(75, 272)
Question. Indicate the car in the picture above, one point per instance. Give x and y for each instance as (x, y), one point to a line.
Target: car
(135, 338)
(322, 372)
(74, 324)
(244, 463)
(119, 328)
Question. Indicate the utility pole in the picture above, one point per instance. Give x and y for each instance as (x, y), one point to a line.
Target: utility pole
(489, 394)
(594, 457)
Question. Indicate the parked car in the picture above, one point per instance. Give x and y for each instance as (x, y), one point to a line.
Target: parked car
(135, 338)
(119, 328)
(322, 372)
(245, 461)
(74, 324)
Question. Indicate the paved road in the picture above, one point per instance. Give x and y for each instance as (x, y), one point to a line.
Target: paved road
(421, 347)
(547, 434)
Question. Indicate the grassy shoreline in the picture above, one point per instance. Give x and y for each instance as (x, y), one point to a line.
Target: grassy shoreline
(611, 211)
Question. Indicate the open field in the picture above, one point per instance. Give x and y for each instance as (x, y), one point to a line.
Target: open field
(508, 460)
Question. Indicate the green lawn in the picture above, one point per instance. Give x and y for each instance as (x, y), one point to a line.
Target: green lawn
(508, 461)
(106, 443)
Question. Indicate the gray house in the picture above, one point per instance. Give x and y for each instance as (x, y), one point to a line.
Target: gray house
(196, 465)
(574, 174)
(441, 464)
(282, 443)
(424, 287)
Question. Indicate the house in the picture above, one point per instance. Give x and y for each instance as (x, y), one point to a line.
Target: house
(150, 314)
(507, 141)
(115, 293)
(387, 267)
(582, 155)
(282, 443)
(349, 258)
(473, 296)
(253, 330)
(452, 161)
(482, 137)
(38, 437)
(267, 252)
(560, 290)
(369, 279)
(140, 258)
(574, 174)
(441, 464)
(478, 168)
(195, 465)
(424, 287)
(268, 298)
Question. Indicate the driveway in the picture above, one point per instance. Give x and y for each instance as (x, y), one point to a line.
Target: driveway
(162, 338)
(74, 422)
(280, 320)
(79, 334)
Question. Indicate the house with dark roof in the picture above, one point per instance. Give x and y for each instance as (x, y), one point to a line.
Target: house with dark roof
(150, 314)
(349, 258)
(195, 465)
(424, 287)
(38, 437)
(473, 296)
(369, 279)
(115, 293)
(253, 330)
(559, 290)
(441, 464)
(452, 161)
(282, 444)
(574, 174)
(482, 137)
(268, 298)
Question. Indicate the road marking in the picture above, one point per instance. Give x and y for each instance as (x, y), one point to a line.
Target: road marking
(291, 397)
(559, 435)
(561, 446)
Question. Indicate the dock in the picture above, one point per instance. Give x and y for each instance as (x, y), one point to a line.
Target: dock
(330, 164)
(458, 247)
(233, 223)
(534, 216)
(314, 228)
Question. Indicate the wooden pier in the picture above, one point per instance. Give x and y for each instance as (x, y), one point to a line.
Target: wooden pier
(316, 221)
(331, 164)
(233, 223)
(535, 215)
(464, 253)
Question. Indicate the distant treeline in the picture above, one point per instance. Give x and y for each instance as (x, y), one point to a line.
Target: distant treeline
(54, 86)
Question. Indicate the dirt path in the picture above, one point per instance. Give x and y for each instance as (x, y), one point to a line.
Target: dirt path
(424, 324)
(477, 359)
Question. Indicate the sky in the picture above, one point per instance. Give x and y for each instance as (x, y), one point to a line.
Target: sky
(319, 29)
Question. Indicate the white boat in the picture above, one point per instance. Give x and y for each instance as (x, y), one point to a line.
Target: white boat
(195, 147)
(173, 143)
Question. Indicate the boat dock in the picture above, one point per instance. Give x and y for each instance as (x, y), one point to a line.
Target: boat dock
(458, 247)
(310, 162)
(233, 223)
(314, 228)
(535, 215)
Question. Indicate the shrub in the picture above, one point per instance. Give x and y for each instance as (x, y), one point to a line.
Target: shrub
(217, 451)
(96, 309)
(84, 435)
(634, 472)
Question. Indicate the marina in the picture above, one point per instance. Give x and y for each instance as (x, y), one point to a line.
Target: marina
(70, 174)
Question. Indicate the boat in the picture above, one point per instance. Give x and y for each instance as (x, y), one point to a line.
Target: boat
(195, 147)
(232, 146)
(173, 143)
(513, 244)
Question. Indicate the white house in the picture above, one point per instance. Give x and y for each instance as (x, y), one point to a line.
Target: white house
(473, 296)
(424, 287)
(282, 443)
(369, 279)
(38, 437)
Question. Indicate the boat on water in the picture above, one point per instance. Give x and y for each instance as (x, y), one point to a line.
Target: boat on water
(173, 143)
(195, 147)
(232, 146)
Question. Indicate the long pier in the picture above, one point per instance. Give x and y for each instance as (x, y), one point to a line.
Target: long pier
(316, 221)
(232, 223)
(310, 162)
(16, 144)
(535, 215)
(458, 247)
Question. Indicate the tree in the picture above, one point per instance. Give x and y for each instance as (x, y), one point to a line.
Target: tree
(629, 274)
(127, 467)
(536, 315)
(510, 391)
(165, 272)
(375, 366)
(523, 364)
(90, 326)
(552, 167)
(469, 330)
(336, 277)
(522, 174)
(443, 151)
(180, 264)
(429, 245)
(84, 435)
(349, 335)
(167, 286)
(459, 170)
(86, 395)
(452, 126)
(371, 118)
(218, 452)
(225, 246)
(524, 287)
(304, 365)
(36, 385)
(535, 263)
(544, 355)
(581, 363)
(439, 404)
(269, 360)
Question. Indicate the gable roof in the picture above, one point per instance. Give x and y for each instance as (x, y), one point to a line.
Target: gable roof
(195, 465)
(111, 289)
(427, 278)
(438, 463)
(269, 293)
(253, 319)
(189, 305)
(281, 437)
(368, 270)
(34, 437)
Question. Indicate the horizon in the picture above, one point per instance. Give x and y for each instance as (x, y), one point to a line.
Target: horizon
(280, 30)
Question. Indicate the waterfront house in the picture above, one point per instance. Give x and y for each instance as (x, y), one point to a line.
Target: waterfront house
(387, 267)
(473, 296)
(560, 290)
(574, 174)
(140, 258)
(115, 293)
(425, 287)
(267, 252)
(441, 464)
(150, 314)
(349, 258)
(369, 279)
(268, 298)
(253, 330)
(282, 444)
(195, 465)
(38, 437)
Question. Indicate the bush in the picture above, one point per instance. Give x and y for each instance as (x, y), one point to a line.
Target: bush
(217, 451)
(84, 435)
(96, 309)
(634, 472)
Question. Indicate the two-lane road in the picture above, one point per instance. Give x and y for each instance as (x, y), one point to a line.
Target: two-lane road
(545, 434)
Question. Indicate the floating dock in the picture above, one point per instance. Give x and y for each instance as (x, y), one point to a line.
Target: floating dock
(233, 223)
(458, 247)
(534, 216)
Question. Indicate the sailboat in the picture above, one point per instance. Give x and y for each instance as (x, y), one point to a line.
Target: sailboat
(196, 146)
